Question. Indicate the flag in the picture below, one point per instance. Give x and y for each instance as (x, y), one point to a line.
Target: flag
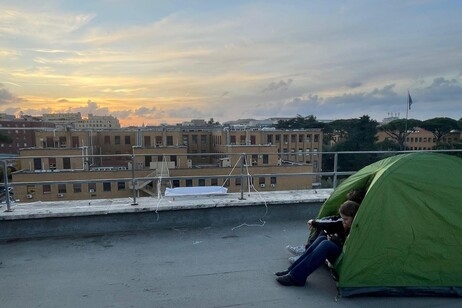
(409, 100)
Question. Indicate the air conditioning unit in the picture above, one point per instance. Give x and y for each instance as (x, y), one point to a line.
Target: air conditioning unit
(262, 185)
(92, 190)
(273, 185)
(29, 196)
(60, 195)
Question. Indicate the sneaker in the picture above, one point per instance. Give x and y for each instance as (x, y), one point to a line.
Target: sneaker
(281, 273)
(296, 250)
(293, 259)
(287, 280)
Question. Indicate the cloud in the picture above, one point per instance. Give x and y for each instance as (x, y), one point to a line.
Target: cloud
(354, 84)
(282, 85)
(7, 98)
(145, 112)
(187, 113)
(41, 25)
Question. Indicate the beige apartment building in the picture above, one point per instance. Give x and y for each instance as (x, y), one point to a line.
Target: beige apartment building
(422, 139)
(83, 164)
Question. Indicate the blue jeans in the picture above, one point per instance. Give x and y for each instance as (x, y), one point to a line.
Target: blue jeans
(314, 257)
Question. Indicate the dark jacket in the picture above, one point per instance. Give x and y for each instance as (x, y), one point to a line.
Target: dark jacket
(332, 226)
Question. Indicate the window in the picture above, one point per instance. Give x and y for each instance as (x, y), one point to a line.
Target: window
(254, 159)
(185, 139)
(300, 138)
(233, 140)
(261, 181)
(189, 183)
(308, 138)
(62, 141)
(52, 163)
(62, 188)
(147, 160)
(238, 181)
(66, 163)
(75, 142)
(265, 159)
(286, 138)
(77, 188)
(158, 140)
(253, 140)
(176, 183)
(117, 140)
(201, 182)
(169, 140)
(120, 185)
(316, 138)
(30, 189)
(278, 138)
(107, 139)
(214, 182)
(273, 180)
(37, 164)
(293, 138)
(46, 189)
(242, 139)
(106, 186)
(91, 187)
(127, 140)
(269, 139)
(147, 141)
(194, 139)
(203, 139)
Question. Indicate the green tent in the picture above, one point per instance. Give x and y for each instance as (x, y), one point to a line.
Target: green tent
(407, 236)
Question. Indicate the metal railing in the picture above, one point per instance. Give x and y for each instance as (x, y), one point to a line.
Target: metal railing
(335, 174)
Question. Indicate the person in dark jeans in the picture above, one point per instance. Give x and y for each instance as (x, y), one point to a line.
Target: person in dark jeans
(356, 195)
(326, 247)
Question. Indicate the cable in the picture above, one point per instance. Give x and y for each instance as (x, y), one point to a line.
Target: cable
(250, 181)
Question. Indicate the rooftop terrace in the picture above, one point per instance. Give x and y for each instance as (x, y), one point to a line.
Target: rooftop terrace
(188, 252)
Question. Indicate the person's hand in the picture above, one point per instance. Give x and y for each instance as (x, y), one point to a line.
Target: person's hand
(309, 223)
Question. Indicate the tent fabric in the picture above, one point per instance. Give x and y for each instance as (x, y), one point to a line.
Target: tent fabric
(406, 238)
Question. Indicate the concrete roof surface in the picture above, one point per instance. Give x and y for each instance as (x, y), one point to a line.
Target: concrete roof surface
(219, 266)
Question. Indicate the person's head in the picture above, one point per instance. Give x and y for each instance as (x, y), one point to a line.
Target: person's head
(356, 195)
(348, 211)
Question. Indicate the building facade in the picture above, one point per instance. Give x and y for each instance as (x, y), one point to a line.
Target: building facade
(82, 164)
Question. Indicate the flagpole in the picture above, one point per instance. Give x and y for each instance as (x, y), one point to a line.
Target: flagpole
(405, 125)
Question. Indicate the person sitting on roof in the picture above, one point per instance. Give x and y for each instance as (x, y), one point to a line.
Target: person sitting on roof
(356, 195)
(327, 246)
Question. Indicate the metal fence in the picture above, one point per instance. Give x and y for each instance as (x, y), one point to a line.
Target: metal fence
(330, 176)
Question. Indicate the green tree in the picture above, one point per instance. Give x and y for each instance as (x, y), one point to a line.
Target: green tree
(300, 122)
(397, 130)
(361, 136)
(440, 126)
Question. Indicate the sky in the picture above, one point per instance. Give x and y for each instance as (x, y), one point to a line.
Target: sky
(151, 62)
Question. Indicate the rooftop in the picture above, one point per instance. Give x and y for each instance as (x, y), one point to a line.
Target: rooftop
(221, 253)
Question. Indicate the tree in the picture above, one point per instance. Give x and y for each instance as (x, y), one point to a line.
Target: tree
(360, 136)
(440, 126)
(212, 122)
(300, 122)
(396, 130)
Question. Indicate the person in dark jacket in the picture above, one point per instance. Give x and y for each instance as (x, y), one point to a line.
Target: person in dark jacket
(327, 246)
(356, 195)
